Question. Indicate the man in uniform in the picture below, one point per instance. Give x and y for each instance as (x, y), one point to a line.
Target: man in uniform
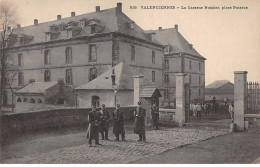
(94, 126)
(104, 122)
(118, 117)
(155, 115)
(139, 115)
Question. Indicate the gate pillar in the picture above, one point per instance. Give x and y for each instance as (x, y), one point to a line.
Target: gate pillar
(180, 99)
(240, 79)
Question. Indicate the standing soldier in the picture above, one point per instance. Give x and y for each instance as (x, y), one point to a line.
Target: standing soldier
(139, 115)
(118, 117)
(93, 126)
(155, 115)
(104, 122)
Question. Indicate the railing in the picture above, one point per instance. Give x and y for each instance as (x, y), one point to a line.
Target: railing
(252, 98)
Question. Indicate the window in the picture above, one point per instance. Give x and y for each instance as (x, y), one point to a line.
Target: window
(32, 100)
(190, 79)
(47, 59)
(132, 53)
(166, 65)
(153, 57)
(20, 78)
(95, 101)
(167, 49)
(39, 101)
(199, 92)
(19, 100)
(166, 78)
(25, 100)
(47, 76)
(48, 36)
(20, 59)
(68, 52)
(199, 80)
(199, 66)
(153, 76)
(93, 29)
(92, 53)
(69, 76)
(166, 94)
(21, 41)
(92, 73)
(190, 65)
(69, 33)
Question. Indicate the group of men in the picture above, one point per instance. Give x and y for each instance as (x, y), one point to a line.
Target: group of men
(196, 109)
(99, 122)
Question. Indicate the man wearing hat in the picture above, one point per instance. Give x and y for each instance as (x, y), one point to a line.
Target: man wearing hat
(104, 122)
(139, 115)
(118, 117)
(155, 115)
(94, 126)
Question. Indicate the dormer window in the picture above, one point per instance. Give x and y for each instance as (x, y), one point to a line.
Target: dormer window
(69, 33)
(21, 41)
(69, 25)
(130, 24)
(167, 49)
(48, 37)
(82, 24)
(93, 29)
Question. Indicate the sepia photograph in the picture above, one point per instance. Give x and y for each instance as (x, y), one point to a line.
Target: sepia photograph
(129, 82)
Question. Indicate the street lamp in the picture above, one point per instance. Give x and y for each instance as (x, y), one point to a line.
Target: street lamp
(114, 86)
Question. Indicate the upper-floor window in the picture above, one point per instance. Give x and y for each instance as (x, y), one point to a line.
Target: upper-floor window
(93, 29)
(153, 57)
(166, 78)
(69, 76)
(20, 78)
(92, 73)
(132, 53)
(20, 59)
(190, 79)
(69, 33)
(166, 94)
(92, 53)
(167, 49)
(68, 53)
(199, 80)
(153, 76)
(48, 36)
(199, 92)
(21, 41)
(190, 65)
(47, 59)
(47, 76)
(166, 65)
(199, 66)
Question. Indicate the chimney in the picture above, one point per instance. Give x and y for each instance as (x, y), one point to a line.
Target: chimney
(73, 14)
(119, 7)
(35, 22)
(58, 17)
(176, 27)
(190, 46)
(138, 84)
(97, 8)
(18, 26)
(8, 28)
(160, 28)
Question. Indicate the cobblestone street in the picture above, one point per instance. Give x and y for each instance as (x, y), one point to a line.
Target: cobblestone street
(125, 152)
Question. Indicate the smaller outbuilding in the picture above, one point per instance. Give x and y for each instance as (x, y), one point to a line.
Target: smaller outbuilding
(220, 89)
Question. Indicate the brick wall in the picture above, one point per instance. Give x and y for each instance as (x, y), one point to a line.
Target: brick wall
(13, 124)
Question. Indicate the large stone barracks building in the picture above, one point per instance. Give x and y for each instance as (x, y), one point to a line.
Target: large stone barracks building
(80, 48)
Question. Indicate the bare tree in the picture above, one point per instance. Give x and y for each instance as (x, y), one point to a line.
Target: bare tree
(8, 19)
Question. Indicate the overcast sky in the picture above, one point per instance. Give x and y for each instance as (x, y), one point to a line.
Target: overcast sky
(228, 39)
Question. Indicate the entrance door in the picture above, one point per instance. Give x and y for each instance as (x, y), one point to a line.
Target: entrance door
(187, 103)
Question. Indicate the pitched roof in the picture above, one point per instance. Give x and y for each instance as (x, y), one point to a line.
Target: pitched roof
(36, 87)
(217, 84)
(124, 79)
(110, 19)
(150, 91)
(173, 37)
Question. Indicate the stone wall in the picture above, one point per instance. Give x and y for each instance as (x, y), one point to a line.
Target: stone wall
(20, 123)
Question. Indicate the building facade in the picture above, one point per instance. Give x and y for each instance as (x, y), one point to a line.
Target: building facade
(180, 57)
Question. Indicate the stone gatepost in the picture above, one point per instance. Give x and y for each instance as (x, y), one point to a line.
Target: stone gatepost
(138, 84)
(180, 99)
(240, 79)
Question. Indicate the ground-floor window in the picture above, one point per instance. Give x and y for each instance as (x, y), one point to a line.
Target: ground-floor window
(95, 101)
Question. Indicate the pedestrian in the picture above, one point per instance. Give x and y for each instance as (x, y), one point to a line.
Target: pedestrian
(194, 109)
(231, 111)
(216, 107)
(118, 117)
(94, 126)
(225, 100)
(139, 115)
(214, 101)
(104, 122)
(191, 109)
(198, 110)
(207, 108)
(155, 115)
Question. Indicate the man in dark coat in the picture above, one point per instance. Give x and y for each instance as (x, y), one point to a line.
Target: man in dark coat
(118, 117)
(139, 115)
(155, 115)
(104, 122)
(94, 126)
